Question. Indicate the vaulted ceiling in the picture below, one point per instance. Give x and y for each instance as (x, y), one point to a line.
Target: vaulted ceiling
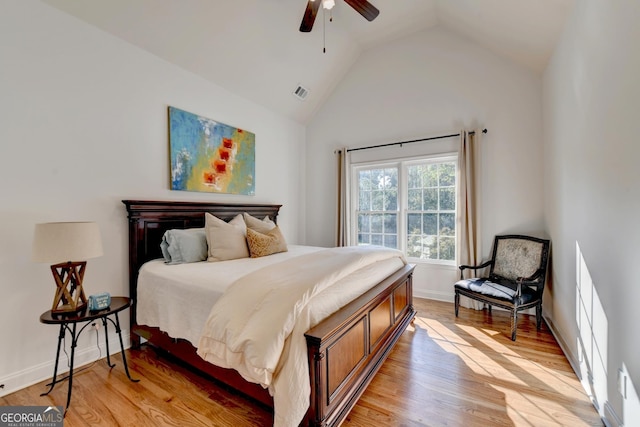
(254, 49)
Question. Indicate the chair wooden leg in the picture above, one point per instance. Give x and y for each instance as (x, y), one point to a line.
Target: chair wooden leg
(457, 302)
(538, 316)
(514, 324)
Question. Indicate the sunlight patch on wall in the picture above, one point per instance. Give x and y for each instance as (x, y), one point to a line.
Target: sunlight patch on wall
(593, 334)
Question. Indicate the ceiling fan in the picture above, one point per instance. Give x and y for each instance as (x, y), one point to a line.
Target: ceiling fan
(363, 7)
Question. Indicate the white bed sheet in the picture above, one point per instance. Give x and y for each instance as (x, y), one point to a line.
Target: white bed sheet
(178, 298)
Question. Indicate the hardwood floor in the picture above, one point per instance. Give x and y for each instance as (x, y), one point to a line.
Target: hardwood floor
(443, 372)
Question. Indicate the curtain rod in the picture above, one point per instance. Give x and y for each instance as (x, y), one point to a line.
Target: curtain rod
(409, 142)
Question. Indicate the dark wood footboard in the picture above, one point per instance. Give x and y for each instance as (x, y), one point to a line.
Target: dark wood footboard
(345, 350)
(348, 348)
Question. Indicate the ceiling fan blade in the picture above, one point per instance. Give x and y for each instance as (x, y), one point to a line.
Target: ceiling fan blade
(364, 8)
(310, 15)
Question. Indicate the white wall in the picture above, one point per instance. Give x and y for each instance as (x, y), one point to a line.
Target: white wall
(592, 198)
(84, 125)
(433, 83)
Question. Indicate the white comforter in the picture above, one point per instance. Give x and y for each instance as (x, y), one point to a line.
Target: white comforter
(264, 339)
(164, 291)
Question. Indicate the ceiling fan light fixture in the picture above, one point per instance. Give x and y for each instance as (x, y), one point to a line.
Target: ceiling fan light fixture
(328, 4)
(363, 7)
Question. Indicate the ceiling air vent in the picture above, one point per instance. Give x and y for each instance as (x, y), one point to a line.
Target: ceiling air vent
(301, 92)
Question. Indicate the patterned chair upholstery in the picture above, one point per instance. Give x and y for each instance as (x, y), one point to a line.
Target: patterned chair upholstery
(517, 274)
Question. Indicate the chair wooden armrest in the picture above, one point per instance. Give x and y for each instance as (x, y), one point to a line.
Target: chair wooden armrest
(474, 267)
(532, 280)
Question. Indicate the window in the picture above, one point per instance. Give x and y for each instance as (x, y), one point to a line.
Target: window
(378, 207)
(408, 205)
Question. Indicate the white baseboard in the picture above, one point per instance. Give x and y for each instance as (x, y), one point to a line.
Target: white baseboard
(35, 374)
(572, 358)
(611, 419)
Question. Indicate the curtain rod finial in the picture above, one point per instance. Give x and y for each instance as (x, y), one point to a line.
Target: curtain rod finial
(484, 130)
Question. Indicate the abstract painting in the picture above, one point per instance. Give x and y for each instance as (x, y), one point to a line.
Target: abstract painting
(210, 156)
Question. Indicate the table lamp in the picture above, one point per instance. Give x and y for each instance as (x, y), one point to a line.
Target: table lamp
(63, 244)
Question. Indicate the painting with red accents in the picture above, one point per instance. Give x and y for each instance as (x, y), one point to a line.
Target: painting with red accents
(210, 156)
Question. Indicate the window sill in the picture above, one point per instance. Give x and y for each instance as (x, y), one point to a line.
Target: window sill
(433, 264)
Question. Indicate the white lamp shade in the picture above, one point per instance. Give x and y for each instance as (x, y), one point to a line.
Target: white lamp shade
(57, 242)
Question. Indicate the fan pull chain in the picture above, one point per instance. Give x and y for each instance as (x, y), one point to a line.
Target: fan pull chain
(324, 32)
(324, 37)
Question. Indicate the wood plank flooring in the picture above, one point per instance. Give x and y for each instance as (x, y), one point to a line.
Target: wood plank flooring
(443, 372)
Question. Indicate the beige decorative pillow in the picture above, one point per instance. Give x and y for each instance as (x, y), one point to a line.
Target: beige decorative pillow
(261, 226)
(226, 240)
(263, 244)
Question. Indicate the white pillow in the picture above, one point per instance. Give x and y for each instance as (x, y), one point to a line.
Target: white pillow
(226, 240)
(261, 226)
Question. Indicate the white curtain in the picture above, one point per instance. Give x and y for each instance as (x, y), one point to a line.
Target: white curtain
(469, 248)
(343, 237)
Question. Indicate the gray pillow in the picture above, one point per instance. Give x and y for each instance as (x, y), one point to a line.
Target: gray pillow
(182, 246)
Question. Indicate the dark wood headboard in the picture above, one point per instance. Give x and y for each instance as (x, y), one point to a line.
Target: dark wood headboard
(148, 220)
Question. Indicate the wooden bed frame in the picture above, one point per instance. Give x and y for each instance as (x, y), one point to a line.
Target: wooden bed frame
(344, 351)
